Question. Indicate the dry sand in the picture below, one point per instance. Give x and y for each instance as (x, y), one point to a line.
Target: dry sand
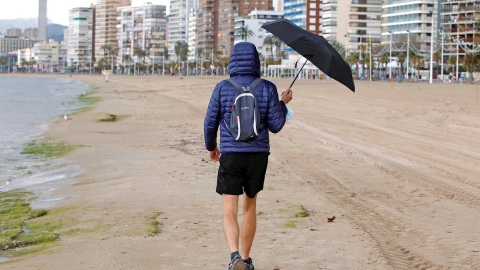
(396, 165)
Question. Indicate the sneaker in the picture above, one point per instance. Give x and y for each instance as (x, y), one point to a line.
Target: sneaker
(236, 264)
(249, 264)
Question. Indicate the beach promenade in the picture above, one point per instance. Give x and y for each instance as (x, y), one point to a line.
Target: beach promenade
(397, 164)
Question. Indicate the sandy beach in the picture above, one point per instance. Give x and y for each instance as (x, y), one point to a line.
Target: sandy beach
(397, 164)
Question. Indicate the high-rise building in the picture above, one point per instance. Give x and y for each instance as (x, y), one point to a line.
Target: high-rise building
(14, 32)
(106, 25)
(409, 19)
(352, 23)
(141, 27)
(459, 22)
(12, 44)
(80, 36)
(278, 5)
(42, 20)
(46, 54)
(313, 14)
(192, 34)
(178, 23)
(296, 12)
(254, 21)
(31, 33)
(216, 23)
(207, 27)
(364, 24)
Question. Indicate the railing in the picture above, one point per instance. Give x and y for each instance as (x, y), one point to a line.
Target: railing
(456, 10)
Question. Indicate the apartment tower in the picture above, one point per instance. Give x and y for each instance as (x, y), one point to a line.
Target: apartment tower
(178, 23)
(80, 37)
(460, 21)
(254, 21)
(216, 22)
(42, 20)
(14, 32)
(404, 20)
(141, 27)
(352, 23)
(31, 33)
(106, 25)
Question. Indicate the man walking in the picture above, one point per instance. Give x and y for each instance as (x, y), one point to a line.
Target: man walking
(243, 164)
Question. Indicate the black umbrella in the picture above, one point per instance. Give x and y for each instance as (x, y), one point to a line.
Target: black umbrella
(314, 48)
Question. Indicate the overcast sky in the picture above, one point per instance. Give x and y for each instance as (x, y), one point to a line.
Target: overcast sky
(57, 10)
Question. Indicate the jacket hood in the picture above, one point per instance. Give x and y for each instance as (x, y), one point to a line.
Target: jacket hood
(244, 60)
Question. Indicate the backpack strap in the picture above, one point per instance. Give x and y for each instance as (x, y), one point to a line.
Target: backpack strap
(241, 88)
(255, 83)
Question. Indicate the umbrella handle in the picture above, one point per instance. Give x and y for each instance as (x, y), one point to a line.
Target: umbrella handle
(298, 73)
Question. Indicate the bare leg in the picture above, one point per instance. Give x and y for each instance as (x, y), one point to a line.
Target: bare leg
(249, 224)
(230, 223)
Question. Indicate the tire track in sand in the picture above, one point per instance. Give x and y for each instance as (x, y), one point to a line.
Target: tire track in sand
(384, 227)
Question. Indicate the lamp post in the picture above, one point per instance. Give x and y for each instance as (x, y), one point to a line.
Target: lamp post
(458, 40)
(346, 46)
(442, 53)
(408, 50)
(153, 64)
(390, 60)
(370, 56)
(431, 51)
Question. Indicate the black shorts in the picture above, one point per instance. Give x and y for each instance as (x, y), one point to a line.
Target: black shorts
(239, 172)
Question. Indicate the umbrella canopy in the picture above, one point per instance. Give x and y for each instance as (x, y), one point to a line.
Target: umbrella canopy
(314, 48)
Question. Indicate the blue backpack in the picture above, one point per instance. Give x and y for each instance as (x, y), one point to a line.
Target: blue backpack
(245, 122)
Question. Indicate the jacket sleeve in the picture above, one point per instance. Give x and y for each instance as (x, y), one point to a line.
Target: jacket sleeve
(212, 120)
(276, 113)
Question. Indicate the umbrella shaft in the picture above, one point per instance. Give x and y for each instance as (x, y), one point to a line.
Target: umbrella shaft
(298, 73)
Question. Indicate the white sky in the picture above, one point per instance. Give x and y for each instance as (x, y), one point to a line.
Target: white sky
(57, 10)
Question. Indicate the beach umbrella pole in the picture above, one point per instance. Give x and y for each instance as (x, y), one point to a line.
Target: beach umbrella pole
(298, 73)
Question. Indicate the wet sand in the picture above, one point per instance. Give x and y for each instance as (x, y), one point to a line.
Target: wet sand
(397, 164)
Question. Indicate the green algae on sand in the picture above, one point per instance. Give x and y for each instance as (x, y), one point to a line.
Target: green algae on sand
(20, 225)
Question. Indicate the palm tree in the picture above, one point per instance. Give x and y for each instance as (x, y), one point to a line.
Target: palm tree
(23, 63)
(32, 63)
(245, 32)
(338, 47)
(140, 54)
(417, 61)
(384, 61)
(401, 59)
(106, 48)
(437, 57)
(128, 59)
(363, 48)
(277, 43)
(353, 59)
(184, 52)
(452, 60)
(268, 42)
(282, 54)
(181, 51)
(470, 61)
(3, 61)
(199, 55)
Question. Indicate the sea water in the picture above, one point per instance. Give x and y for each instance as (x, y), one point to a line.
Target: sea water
(28, 105)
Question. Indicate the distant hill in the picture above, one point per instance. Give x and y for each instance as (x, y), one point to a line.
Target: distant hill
(54, 31)
(17, 23)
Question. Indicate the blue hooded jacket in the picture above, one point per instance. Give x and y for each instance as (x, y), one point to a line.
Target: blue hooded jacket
(244, 67)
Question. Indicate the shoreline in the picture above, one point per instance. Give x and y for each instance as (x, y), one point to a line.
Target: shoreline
(358, 156)
(49, 169)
